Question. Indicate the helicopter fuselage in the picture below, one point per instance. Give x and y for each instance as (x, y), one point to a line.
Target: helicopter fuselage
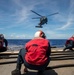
(43, 20)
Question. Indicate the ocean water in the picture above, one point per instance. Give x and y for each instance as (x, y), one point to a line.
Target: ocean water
(17, 44)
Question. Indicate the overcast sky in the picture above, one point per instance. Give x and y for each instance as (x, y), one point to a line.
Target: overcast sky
(16, 18)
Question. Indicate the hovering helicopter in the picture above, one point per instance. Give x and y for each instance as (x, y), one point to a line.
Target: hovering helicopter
(43, 19)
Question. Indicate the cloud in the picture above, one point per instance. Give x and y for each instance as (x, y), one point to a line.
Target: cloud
(21, 11)
(1, 28)
(68, 24)
(17, 16)
(70, 18)
(16, 36)
(53, 34)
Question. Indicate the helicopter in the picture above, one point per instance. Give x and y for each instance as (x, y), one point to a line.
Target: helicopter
(43, 19)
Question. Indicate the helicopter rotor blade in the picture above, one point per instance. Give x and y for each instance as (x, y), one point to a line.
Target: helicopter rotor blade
(53, 14)
(36, 18)
(36, 13)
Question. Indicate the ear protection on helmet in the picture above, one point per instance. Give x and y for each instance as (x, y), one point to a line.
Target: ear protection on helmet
(42, 34)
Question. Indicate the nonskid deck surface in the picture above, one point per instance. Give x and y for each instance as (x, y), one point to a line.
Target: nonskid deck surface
(62, 63)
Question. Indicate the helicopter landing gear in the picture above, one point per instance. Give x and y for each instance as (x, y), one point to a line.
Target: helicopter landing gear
(39, 26)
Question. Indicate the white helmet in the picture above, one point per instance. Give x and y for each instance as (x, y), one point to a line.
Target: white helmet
(40, 33)
(1, 36)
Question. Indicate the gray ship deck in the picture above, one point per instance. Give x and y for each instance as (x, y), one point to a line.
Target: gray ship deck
(62, 63)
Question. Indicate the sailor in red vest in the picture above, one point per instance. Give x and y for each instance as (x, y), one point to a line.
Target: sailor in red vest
(36, 54)
(69, 44)
(3, 43)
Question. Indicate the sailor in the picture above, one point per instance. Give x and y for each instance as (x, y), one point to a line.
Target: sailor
(69, 44)
(35, 55)
(3, 43)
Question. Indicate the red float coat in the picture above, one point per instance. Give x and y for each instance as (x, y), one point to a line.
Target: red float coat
(70, 39)
(36, 51)
(1, 43)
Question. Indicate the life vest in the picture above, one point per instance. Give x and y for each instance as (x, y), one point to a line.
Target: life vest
(1, 43)
(36, 51)
(70, 39)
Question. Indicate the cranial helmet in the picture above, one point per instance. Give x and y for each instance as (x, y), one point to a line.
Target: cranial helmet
(1, 36)
(40, 34)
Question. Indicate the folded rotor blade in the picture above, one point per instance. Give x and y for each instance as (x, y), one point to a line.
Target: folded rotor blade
(36, 13)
